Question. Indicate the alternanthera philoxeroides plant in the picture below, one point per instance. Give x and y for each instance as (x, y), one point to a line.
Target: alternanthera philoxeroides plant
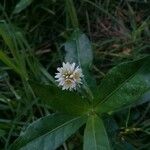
(76, 100)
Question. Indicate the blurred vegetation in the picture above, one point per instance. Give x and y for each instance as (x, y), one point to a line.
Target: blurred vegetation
(32, 34)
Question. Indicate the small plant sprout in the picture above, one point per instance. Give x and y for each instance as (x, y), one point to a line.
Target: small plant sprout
(69, 76)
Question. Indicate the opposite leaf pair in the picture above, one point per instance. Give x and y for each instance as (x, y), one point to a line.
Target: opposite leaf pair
(121, 87)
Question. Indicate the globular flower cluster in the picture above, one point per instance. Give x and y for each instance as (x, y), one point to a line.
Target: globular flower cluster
(69, 76)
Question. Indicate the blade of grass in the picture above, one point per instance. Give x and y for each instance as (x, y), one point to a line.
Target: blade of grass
(71, 12)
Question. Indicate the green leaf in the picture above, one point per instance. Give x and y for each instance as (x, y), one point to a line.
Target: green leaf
(7, 36)
(8, 61)
(21, 5)
(78, 49)
(123, 85)
(48, 133)
(71, 12)
(95, 136)
(11, 36)
(63, 101)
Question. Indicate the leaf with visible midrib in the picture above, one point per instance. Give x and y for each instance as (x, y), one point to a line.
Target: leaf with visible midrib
(48, 133)
(62, 101)
(123, 85)
(78, 49)
(95, 136)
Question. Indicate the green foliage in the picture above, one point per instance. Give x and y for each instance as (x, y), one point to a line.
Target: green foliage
(8, 62)
(123, 85)
(21, 5)
(71, 12)
(13, 39)
(95, 136)
(48, 132)
(78, 49)
(63, 101)
(30, 50)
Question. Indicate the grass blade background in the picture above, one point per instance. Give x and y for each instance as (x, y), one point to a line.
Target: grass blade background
(21, 5)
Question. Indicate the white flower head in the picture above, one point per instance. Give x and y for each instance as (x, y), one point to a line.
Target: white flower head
(69, 76)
